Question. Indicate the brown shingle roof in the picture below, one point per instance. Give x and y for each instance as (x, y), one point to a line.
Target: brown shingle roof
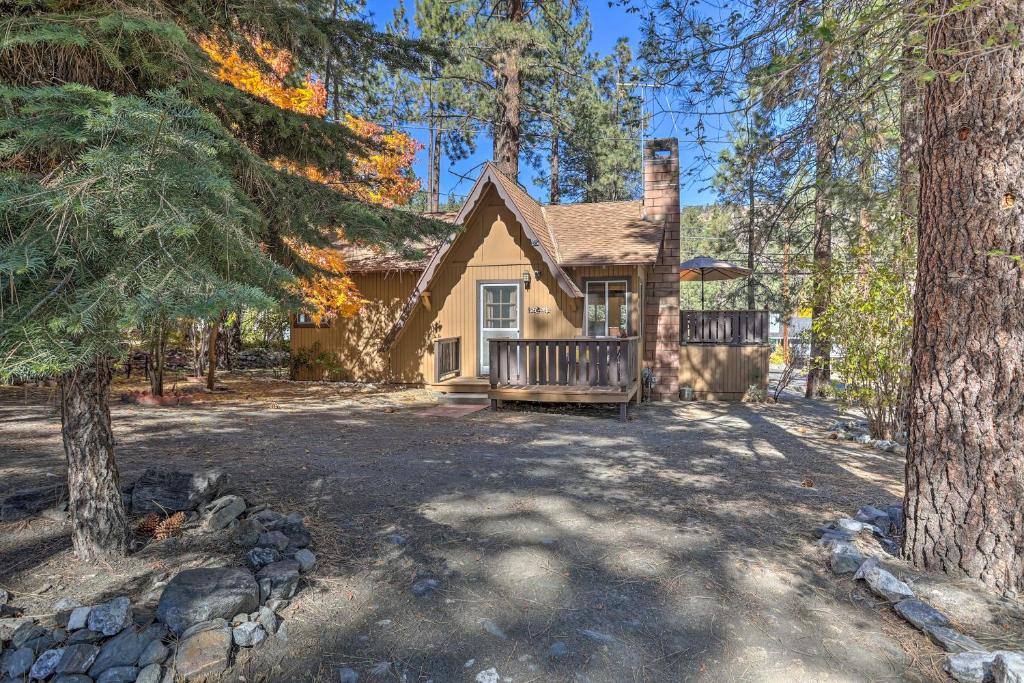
(603, 232)
(366, 258)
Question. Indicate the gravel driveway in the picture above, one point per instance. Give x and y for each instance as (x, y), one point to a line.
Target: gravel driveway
(547, 546)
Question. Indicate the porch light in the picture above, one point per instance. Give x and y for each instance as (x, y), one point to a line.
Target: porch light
(526, 278)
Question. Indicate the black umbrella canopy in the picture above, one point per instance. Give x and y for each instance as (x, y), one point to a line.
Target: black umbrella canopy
(705, 268)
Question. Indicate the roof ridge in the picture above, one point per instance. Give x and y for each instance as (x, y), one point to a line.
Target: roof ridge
(551, 232)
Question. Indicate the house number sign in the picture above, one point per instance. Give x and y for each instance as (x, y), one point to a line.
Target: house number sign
(539, 310)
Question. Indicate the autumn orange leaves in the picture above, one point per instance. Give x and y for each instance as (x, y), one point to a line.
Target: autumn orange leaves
(381, 175)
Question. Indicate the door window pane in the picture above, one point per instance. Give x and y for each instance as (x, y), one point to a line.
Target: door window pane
(607, 308)
(618, 311)
(597, 310)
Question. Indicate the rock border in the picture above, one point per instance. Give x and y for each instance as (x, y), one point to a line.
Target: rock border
(967, 660)
(204, 616)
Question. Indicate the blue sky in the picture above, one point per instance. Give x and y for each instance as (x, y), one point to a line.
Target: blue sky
(609, 24)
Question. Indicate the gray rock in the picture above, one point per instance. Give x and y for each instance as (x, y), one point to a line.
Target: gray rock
(66, 605)
(248, 532)
(273, 539)
(870, 514)
(162, 490)
(155, 653)
(126, 647)
(85, 636)
(951, 640)
(270, 520)
(348, 675)
(77, 658)
(28, 632)
(111, 617)
(306, 559)
(197, 595)
(268, 620)
(1008, 667)
(5, 597)
(882, 583)
(294, 518)
(248, 634)
(558, 649)
(204, 626)
(920, 613)
(283, 577)
(862, 438)
(10, 625)
(150, 674)
(845, 559)
(298, 536)
(46, 664)
(45, 641)
(396, 539)
(18, 662)
(119, 674)
(241, 618)
(204, 654)
(261, 557)
(854, 526)
(424, 587)
(72, 678)
(223, 511)
(969, 667)
(30, 502)
(79, 618)
(488, 676)
(278, 605)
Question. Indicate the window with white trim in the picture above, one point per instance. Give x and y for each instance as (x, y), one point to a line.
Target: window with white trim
(607, 306)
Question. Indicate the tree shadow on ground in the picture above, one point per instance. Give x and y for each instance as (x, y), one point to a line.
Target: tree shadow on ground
(673, 547)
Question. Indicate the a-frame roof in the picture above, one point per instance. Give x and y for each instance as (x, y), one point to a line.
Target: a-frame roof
(529, 214)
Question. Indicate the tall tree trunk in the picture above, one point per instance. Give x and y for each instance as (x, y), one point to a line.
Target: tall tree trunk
(910, 127)
(555, 193)
(965, 460)
(819, 372)
(99, 529)
(751, 285)
(434, 169)
(211, 363)
(155, 369)
(508, 96)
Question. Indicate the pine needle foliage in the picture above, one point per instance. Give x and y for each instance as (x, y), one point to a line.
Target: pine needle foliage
(135, 184)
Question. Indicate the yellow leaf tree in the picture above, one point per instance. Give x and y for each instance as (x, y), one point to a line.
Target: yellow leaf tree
(382, 176)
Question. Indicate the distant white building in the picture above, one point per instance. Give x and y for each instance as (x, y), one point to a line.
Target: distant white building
(799, 326)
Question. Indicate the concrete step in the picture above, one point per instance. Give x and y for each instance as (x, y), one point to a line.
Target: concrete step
(463, 399)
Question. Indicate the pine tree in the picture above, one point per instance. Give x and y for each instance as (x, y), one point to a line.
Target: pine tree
(133, 184)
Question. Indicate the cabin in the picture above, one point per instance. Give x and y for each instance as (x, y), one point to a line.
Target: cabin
(563, 303)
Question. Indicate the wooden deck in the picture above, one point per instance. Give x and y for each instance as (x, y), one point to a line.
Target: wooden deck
(582, 370)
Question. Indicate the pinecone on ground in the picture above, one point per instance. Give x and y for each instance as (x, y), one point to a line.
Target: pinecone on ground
(170, 526)
(148, 525)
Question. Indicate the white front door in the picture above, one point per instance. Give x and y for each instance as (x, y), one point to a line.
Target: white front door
(499, 317)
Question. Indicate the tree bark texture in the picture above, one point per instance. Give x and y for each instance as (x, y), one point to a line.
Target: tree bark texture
(508, 93)
(99, 529)
(211, 349)
(965, 460)
(819, 371)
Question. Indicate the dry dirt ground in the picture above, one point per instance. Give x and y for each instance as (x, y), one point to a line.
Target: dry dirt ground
(566, 546)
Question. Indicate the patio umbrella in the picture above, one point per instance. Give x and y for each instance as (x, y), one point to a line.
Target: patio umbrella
(706, 268)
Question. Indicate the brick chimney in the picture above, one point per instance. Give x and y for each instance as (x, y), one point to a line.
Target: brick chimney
(661, 298)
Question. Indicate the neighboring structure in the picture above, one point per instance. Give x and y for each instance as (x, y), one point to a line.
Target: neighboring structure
(558, 303)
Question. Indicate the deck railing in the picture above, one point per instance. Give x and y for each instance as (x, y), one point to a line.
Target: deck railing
(447, 358)
(734, 328)
(585, 361)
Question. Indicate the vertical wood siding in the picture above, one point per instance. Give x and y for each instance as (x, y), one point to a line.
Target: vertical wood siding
(493, 248)
(720, 371)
